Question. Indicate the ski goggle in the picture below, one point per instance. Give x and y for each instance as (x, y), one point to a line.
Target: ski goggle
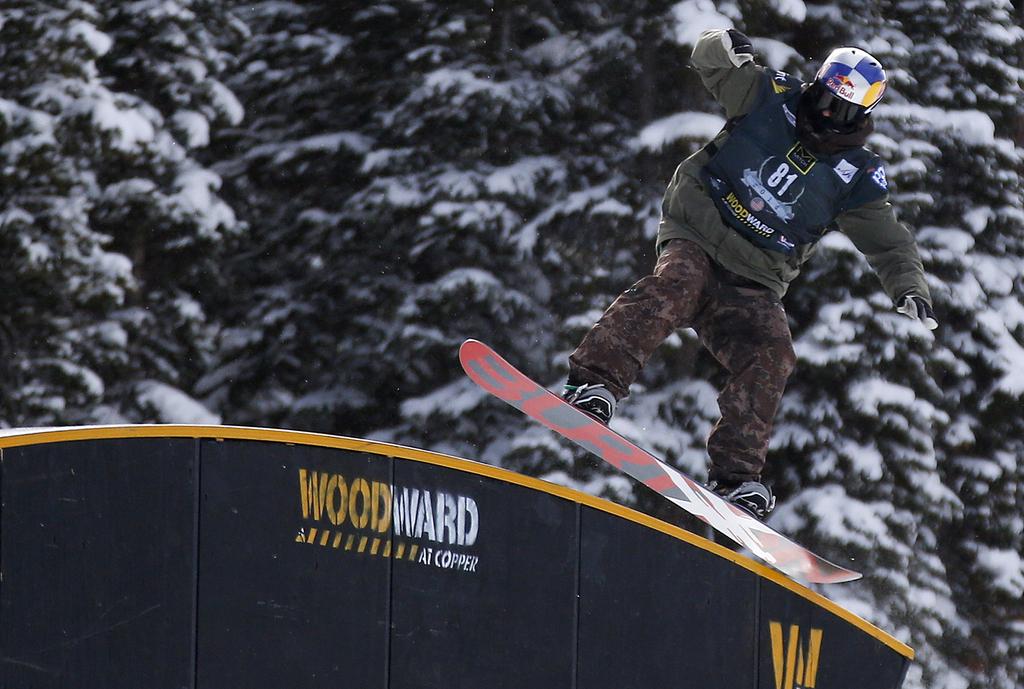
(832, 111)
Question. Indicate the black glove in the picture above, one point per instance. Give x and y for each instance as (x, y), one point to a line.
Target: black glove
(917, 308)
(739, 47)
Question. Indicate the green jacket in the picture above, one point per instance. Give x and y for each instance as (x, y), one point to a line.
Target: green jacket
(688, 212)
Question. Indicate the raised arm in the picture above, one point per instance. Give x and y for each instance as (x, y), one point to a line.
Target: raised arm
(724, 59)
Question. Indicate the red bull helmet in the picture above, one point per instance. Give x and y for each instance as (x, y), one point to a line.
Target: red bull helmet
(846, 89)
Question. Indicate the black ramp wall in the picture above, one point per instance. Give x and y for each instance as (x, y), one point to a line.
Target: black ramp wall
(274, 612)
(449, 629)
(213, 557)
(97, 564)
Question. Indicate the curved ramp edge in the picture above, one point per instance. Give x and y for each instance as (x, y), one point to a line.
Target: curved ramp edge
(215, 556)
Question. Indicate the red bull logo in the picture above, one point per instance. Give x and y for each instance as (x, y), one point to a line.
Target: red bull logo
(841, 85)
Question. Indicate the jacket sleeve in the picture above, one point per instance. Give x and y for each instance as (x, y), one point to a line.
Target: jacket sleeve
(889, 247)
(737, 89)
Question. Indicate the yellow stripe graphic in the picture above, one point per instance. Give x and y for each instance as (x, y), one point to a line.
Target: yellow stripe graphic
(777, 649)
(812, 659)
(794, 641)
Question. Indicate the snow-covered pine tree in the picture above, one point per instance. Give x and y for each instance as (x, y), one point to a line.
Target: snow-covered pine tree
(319, 286)
(159, 200)
(889, 428)
(94, 181)
(966, 65)
(61, 281)
(426, 196)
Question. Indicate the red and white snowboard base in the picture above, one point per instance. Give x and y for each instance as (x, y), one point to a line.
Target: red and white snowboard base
(498, 377)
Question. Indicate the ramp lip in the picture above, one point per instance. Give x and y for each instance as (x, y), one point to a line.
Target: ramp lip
(13, 438)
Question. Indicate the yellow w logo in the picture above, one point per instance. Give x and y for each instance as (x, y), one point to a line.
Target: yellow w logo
(796, 667)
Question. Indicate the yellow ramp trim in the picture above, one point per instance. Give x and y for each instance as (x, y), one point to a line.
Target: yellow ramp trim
(26, 437)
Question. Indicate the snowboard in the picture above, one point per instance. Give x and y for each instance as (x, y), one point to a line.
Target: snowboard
(498, 377)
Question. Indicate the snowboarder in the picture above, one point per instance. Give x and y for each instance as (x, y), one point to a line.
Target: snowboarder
(739, 219)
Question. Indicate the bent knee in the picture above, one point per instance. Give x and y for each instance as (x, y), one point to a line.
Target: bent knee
(775, 357)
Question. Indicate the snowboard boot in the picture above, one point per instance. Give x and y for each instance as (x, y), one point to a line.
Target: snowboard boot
(594, 400)
(751, 496)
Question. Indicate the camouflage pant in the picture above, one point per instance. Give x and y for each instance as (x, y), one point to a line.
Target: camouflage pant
(740, 322)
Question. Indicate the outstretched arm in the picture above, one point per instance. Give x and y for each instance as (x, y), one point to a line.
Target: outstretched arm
(892, 252)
